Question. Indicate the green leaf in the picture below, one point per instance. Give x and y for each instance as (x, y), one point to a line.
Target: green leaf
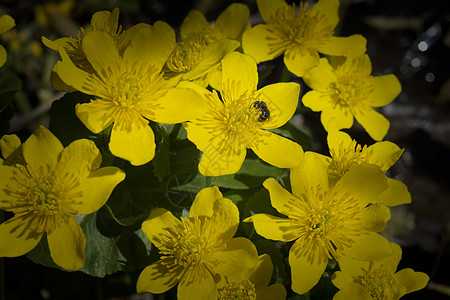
(5, 116)
(9, 85)
(136, 248)
(289, 130)
(41, 254)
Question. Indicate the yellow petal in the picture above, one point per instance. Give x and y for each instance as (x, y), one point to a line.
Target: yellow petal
(16, 239)
(176, 100)
(268, 7)
(97, 188)
(299, 60)
(282, 101)
(105, 20)
(103, 60)
(214, 162)
(71, 75)
(194, 22)
(310, 173)
(79, 158)
(156, 279)
(317, 101)
(262, 273)
(336, 118)
(261, 43)
(320, 77)
(341, 278)
(7, 182)
(351, 268)
(11, 149)
(278, 151)
(283, 201)
(96, 115)
(42, 148)
(133, 141)
(384, 154)
(274, 292)
(373, 122)
(67, 243)
(232, 21)
(3, 55)
(197, 283)
(368, 246)
(353, 45)
(375, 217)
(274, 228)
(158, 225)
(225, 219)
(240, 69)
(396, 194)
(337, 139)
(385, 89)
(353, 291)
(203, 204)
(329, 9)
(305, 274)
(6, 23)
(391, 262)
(412, 281)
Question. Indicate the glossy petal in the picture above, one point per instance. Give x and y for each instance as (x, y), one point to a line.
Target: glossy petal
(158, 224)
(274, 292)
(225, 219)
(369, 246)
(375, 217)
(274, 228)
(391, 262)
(232, 20)
(262, 274)
(353, 45)
(269, 7)
(317, 101)
(337, 139)
(16, 239)
(105, 19)
(385, 89)
(320, 77)
(328, 8)
(7, 182)
(41, 149)
(96, 115)
(340, 279)
(363, 182)
(9, 143)
(261, 43)
(133, 141)
(203, 204)
(299, 60)
(3, 55)
(384, 154)
(412, 281)
(216, 163)
(156, 279)
(97, 188)
(194, 22)
(353, 291)
(69, 75)
(240, 69)
(283, 201)
(79, 158)
(305, 274)
(310, 173)
(335, 119)
(67, 243)
(373, 122)
(282, 101)
(396, 194)
(278, 151)
(176, 100)
(6, 23)
(100, 60)
(197, 283)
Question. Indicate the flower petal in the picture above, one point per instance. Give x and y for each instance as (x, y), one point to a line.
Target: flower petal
(6, 23)
(384, 154)
(329, 9)
(16, 238)
(385, 89)
(274, 292)
(203, 204)
(375, 217)
(108, 57)
(341, 278)
(353, 45)
(412, 281)
(42, 148)
(3, 55)
(11, 149)
(96, 115)
(317, 101)
(133, 141)
(105, 20)
(7, 183)
(197, 283)
(194, 22)
(97, 188)
(68, 74)
(268, 7)
(158, 224)
(396, 194)
(391, 262)
(310, 173)
(320, 77)
(278, 151)
(262, 273)
(274, 228)
(368, 246)
(283, 201)
(282, 100)
(156, 278)
(216, 163)
(232, 21)
(239, 75)
(299, 60)
(353, 291)
(261, 43)
(373, 122)
(337, 139)
(336, 118)
(305, 274)
(67, 243)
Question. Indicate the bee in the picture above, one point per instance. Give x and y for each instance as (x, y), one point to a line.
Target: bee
(261, 106)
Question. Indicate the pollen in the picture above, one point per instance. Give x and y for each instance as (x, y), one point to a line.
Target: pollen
(344, 158)
(187, 54)
(380, 283)
(240, 290)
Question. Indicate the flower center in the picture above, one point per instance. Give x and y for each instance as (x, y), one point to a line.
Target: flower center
(187, 54)
(306, 27)
(241, 290)
(344, 158)
(380, 284)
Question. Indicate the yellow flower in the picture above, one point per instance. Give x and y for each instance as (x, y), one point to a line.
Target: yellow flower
(345, 89)
(301, 35)
(346, 152)
(6, 23)
(376, 279)
(130, 89)
(47, 192)
(240, 118)
(195, 249)
(326, 222)
(252, 283)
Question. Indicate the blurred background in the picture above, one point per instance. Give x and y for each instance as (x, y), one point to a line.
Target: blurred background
(409, 38)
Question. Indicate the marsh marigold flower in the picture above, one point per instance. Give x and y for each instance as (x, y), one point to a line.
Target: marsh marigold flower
(195, 249)
(369, 280)
(345, 89)
(238, 121)
(326, 222)
(46, 186)
(300, 33)
(6, 23)
(129, 89)
(346, 152)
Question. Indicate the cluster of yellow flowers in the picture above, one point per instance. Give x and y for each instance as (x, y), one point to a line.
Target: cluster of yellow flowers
(208, 81)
